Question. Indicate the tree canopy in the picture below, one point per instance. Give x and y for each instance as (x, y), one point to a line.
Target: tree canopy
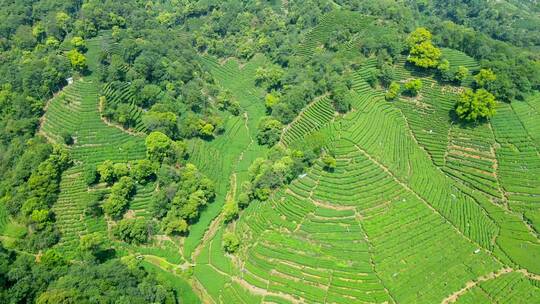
(475, 105)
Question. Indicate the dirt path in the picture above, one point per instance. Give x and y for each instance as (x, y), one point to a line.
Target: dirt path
(214, 226)
(490, 276)
(115, 125)
(358, 218)
(263, 292)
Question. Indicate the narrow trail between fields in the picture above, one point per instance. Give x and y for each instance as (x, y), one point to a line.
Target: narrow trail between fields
(487, 277)
(406, 187)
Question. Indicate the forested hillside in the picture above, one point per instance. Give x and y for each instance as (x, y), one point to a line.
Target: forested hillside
(314, 151)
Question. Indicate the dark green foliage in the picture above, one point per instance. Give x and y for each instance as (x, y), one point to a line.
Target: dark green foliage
(90, 175)
(340, 98)
(118, 200)
(93, 205)
(67, 138)
(269, 131)
(183, 193)
(105, 283)
(136, 231)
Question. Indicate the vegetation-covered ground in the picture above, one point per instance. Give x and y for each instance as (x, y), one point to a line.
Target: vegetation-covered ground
(280, 152)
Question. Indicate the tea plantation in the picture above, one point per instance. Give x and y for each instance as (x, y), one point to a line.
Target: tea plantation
(319, 185)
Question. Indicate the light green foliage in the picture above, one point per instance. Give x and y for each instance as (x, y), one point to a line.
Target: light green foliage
(52, 42)
(92, 243)
(40, 217)
(230, 210)
(182, 201)
(422, 52)
(329, 162)
(270, 100)
(414, 86)
(173, 225)
(269, 77)
(158, 146)
(461, 74)
(226, 101)
(39, 32)
(77, 60)
(120, 169)
(106, 172)
(142, 170)
(475, 105)
(164, 122)
(166, 18)
(484, 78)
(207, 130)
(230, 242)
(63, 21)
(419, 35)
(393, 91)
(79, 43)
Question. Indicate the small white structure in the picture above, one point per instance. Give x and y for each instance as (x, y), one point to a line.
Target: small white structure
(302, 175)
(477, 251)
(69, 80)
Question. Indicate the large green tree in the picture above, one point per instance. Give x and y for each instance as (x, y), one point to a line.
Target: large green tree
(475, 105)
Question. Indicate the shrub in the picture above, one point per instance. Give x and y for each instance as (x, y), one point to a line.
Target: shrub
(67, 138)
(461, 74)
(90, 175)
(230, 210)
(230, 242)
(414, 86)
(142, 170)
(117, 202)
(393, 91)
(329, 162)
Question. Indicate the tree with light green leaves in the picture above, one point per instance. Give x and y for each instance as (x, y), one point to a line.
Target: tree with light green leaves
(473, 106)
(230, 242)
(77, 60)
(412, 87)
(393, 91)
(230, 210)
(484, 78)
(422, 52)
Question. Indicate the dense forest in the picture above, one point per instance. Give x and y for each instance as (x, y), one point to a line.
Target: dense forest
(109, 105)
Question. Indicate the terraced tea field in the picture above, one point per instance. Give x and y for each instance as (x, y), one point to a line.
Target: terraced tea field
(75, 110)
(414, 198)
(419, 209)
